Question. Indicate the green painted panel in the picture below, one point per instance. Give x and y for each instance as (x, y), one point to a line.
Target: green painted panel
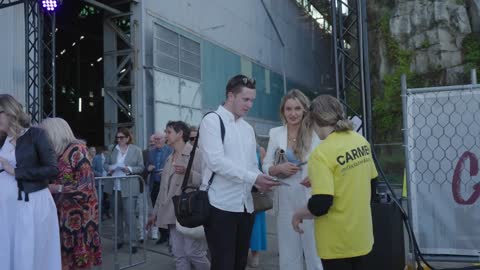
(218, 65)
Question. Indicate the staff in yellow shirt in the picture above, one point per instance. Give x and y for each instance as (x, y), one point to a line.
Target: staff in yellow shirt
(340, 172)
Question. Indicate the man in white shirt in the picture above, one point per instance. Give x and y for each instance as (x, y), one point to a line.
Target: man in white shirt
(235, 165)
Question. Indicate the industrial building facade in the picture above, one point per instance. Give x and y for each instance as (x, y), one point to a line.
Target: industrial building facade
(142, 63)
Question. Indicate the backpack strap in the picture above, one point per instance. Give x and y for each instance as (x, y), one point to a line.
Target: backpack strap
(192, 154)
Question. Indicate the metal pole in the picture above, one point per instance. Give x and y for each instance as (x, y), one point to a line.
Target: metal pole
(54, 77)
(334, 43)
(100, 206)
(145, 215)
(407, 154)
(473, 75)
(130, 223)
(361, 67)
(115, 256)
(41, 64)
(366, 65)
(341, 45)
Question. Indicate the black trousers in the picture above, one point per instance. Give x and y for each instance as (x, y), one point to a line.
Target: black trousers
(355, 263)
(228, 237)
(154, 192)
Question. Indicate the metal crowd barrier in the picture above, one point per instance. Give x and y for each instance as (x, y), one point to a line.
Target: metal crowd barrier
(100, 181)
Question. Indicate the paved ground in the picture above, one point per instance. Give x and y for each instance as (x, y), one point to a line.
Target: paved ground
(158, 257)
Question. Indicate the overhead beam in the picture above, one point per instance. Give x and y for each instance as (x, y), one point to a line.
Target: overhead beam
(103, 6)
(9, 3)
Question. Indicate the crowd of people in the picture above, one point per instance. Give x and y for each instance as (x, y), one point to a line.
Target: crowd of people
(49, 207)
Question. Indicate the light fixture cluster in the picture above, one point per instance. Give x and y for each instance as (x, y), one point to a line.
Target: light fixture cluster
(50, 5)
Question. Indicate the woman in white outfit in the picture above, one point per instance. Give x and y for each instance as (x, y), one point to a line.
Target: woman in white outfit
(297, 139)
(29, 232)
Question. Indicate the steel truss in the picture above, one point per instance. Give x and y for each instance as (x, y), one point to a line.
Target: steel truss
(350, 44)
(32, 60)
(9, 3)
(39, 59)
(119, 68)
(47, 64)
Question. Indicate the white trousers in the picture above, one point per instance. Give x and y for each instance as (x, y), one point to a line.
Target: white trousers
(188, 252)
(295, 249)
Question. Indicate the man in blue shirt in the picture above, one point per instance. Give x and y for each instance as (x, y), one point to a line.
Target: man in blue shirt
(156, 160)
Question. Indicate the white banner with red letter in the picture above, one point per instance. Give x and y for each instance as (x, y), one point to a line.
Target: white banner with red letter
(443, 130)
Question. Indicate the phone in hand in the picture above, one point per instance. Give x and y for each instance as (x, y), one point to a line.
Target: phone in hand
(302, 163)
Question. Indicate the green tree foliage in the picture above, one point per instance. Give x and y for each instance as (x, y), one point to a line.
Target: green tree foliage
(471, 51)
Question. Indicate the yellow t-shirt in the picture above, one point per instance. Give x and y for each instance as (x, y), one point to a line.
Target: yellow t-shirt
(342, 166)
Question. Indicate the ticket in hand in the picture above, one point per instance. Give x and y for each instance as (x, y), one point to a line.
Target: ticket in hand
(279, 181)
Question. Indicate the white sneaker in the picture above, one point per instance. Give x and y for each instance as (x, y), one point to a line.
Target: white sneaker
(254, 260)
(154, 232)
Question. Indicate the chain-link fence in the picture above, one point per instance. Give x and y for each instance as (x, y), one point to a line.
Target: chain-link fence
(442, 138)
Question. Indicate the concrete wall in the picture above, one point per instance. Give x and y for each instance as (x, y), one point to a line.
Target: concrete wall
(12, 52)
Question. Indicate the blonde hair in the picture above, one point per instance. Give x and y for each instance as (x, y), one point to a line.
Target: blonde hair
(304, 136)
(59, 133)
(18, 119)
(326, 111)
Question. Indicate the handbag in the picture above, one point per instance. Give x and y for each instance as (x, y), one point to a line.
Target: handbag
(279, 158)
(261, 201)
(195, 233)
(192, 207)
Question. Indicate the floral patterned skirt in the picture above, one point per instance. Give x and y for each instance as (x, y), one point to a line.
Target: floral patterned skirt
(79, 236)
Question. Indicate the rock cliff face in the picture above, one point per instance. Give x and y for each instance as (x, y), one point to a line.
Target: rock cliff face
(423, 38)
(433, 31)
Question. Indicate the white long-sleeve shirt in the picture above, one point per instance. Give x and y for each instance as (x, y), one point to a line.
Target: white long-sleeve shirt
(234, 161)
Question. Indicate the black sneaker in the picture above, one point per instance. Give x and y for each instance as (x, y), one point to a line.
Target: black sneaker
(134, 250)
(161, 240)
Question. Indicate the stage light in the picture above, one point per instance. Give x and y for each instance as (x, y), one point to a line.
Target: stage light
(99, 59)
(50, 5)
(82, 37)
(73, 44)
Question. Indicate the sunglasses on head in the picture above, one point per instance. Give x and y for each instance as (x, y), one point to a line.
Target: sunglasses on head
(245, 81)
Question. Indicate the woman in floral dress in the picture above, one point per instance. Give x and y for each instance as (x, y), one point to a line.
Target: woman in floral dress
(76, 198)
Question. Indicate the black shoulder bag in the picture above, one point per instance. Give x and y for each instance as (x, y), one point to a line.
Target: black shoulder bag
(192, 207)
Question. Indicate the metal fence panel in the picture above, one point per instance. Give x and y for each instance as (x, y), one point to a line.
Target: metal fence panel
(101, 182)
(442, 136)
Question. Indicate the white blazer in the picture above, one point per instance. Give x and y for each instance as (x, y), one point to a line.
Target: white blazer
(279, 139)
